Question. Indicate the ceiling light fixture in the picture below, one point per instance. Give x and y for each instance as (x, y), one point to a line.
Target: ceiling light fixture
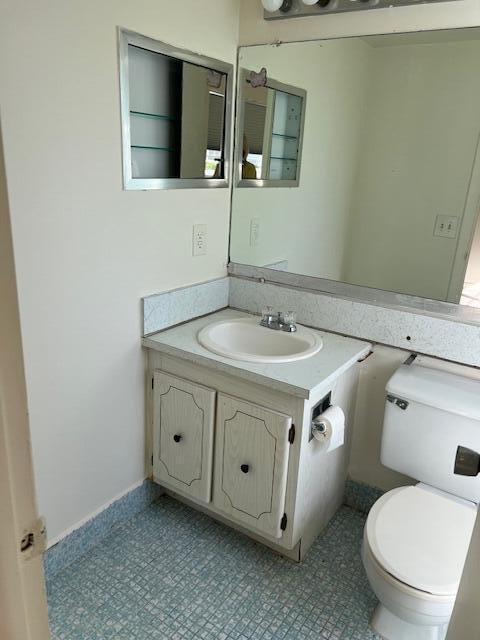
(290, 9)
(277, 5)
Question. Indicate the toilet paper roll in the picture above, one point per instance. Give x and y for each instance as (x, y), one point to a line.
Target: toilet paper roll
(329, 428)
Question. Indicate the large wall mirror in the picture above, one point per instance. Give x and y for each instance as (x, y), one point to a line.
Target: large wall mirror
(389, 191)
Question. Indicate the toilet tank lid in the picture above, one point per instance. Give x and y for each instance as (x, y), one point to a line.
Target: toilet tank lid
(440, 389)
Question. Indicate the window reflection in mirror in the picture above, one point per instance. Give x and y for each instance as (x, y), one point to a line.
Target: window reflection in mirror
(270, 130)
(390, 184)
(175, 116)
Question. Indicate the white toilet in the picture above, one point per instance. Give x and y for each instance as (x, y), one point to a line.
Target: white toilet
(416, 537)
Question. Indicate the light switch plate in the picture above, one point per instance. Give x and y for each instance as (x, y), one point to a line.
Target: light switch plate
(446, 226)
(199, 239)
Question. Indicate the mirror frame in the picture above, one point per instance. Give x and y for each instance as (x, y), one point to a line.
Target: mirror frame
(126, 38)
(449, 311)
(242, 76)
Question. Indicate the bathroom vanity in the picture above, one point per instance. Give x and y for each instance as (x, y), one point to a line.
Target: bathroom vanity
(234, 439)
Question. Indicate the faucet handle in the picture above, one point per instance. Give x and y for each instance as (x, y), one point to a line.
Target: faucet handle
(267, 313)
(289, 319)
(267, 317)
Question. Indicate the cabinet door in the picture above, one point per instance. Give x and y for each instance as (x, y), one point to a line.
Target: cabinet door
(183, 417)
(251, 461)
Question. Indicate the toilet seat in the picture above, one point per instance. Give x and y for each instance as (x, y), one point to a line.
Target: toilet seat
(420, 536)
(423, 600)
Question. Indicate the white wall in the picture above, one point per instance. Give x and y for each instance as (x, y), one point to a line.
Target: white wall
(85, 250)
(465, 621)
(419, 142)
(307, 225)
(365, 465)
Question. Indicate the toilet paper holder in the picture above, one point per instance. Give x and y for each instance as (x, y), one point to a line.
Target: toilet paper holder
(317, 411)
(317, 426)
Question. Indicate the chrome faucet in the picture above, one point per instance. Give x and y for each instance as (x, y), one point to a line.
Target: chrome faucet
(278, 321)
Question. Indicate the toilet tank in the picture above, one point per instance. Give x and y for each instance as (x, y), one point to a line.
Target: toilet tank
(428, 414)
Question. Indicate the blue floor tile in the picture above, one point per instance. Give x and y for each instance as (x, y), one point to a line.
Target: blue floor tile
(174, 574)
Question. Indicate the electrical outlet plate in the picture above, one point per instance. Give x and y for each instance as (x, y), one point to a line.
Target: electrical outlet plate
(446, 226)
(199, 240)
(254, 231)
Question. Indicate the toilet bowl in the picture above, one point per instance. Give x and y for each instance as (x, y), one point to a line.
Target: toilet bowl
(414, 547)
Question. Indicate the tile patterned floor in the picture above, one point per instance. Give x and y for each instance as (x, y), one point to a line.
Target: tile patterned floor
(172, 573)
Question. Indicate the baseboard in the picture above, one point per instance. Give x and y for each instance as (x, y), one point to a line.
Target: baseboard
(76, 543)
(360, 496)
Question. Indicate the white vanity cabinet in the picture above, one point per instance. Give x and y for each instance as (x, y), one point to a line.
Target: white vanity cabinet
(233, 439)
(251, 464)
(183, 428)
(242, 452)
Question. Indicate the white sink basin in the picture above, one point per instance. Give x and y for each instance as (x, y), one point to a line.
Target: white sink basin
(245, 339)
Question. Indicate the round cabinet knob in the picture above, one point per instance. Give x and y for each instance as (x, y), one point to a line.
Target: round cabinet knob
(244, 468)
(177, 438)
